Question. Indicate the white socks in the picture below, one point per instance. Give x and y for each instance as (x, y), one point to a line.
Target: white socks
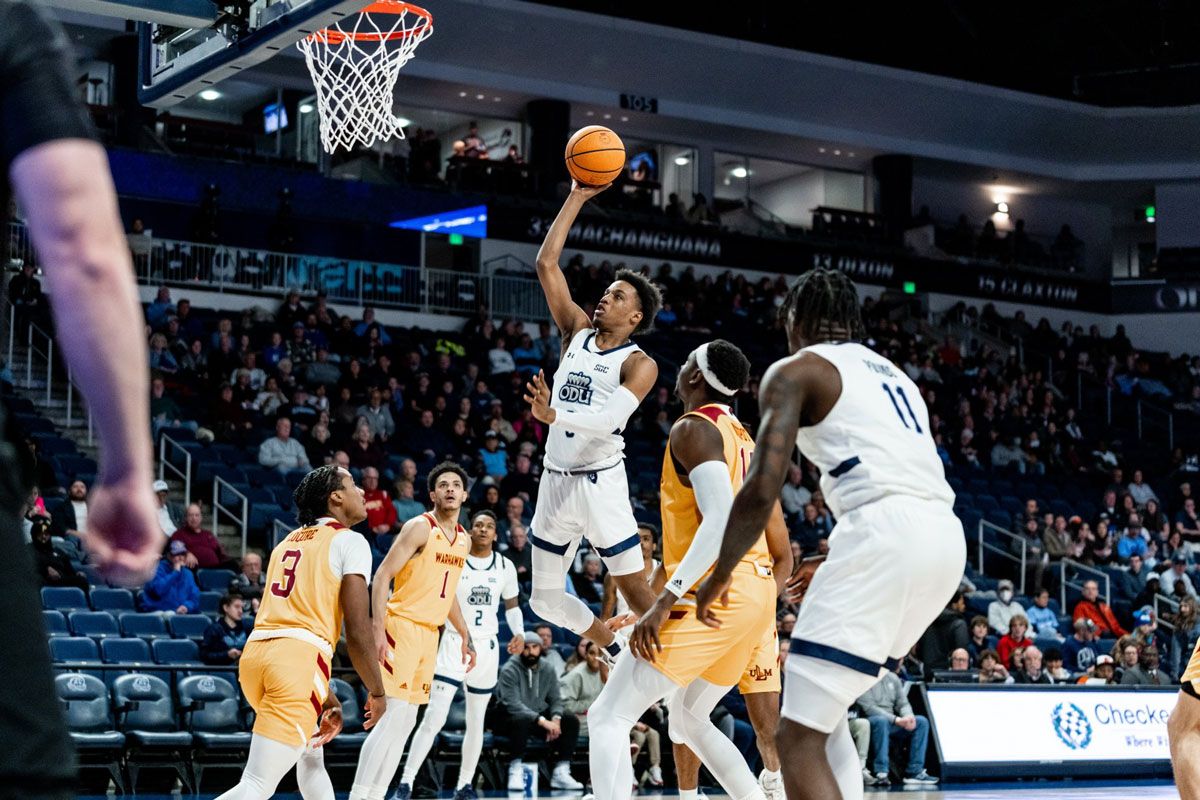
(440, 698)
(473, 740)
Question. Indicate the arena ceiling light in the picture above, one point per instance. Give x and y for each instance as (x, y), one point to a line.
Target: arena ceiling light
(403, 122)
(210, 95)
(682, 161)
(306, 108)
(739, 172)
(1002, 208)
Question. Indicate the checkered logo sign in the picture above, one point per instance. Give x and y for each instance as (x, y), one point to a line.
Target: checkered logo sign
(1072, 726)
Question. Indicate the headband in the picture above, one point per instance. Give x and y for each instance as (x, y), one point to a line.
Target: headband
(702, 363)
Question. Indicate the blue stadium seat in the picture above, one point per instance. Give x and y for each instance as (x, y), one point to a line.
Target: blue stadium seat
(352, 729)
(96, 624)
(73, 649)
(64, 598)
(210, 602)
(89, 719)
(175, 651)
(263, 515)
(1045, 643)
(144, 626)
(215, 580)
(55, 623)
(122, 651)
(189, 626)
(146, 715)
(212, 713)
(105, 599)
(986, 503)
(999, 519)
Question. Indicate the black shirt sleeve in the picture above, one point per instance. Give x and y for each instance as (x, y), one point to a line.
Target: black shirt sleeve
(38, 99)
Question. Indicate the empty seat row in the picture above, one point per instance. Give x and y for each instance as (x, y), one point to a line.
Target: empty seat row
(131, 624)
(72, 598)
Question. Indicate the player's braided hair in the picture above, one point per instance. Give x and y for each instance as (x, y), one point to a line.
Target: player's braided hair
(649, 296)
(823, 305)
(444, 467)
(312, 495)
(728, 364)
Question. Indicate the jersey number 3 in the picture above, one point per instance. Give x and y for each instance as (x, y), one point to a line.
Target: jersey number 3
(289, 562)
(899, 392)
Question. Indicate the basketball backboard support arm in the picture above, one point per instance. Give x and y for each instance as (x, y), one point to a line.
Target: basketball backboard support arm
(166, 79)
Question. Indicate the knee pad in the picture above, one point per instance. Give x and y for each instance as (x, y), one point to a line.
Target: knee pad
(547, 603)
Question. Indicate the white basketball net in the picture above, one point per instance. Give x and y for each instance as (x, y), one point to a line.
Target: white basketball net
(354, 65)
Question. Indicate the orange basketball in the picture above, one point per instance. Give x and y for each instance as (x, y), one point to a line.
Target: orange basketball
(595, 155)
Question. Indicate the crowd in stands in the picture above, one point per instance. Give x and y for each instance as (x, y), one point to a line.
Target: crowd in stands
(1064, 252)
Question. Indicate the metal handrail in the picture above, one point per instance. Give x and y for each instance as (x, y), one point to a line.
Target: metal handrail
(164, 464)
(1172, 606)
(279, 531)
(987, 547)
(1063, 583)
(219, 508)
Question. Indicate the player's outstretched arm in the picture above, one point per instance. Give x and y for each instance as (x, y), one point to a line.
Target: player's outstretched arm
(67, 191)
(568, 316)
(411, 538)
(360, 643)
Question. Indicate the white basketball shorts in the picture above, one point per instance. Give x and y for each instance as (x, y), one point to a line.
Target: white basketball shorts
(450, 669)
(592, 504)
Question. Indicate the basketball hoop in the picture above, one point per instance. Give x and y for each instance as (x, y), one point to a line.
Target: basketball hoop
(354, 65)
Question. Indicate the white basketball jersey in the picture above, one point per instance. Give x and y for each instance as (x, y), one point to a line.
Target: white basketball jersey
(586, 377)
(875, 440)
(484, 582)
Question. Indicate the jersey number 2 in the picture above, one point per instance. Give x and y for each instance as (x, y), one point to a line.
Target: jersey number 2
(899, 392)
(290, 560)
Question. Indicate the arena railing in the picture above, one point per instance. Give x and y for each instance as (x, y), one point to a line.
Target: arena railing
(279, 531)
(1018, 542)
(1171, 605)
(1074, 582)
(232, 503)
(167, 448)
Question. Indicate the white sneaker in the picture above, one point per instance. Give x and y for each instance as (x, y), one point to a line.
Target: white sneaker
(656, 776)
(561, 778)
(922, 778)
(771, 784)
(516, 776)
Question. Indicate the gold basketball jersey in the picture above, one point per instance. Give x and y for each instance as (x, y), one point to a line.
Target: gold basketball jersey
(425, 586)
(302, 592)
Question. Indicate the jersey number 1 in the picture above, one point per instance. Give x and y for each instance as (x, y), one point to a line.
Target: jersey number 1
(289, 562)
(911, 416)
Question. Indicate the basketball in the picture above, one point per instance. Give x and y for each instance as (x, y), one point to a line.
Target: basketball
(595, 155)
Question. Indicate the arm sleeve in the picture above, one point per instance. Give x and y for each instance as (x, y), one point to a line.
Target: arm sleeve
(714, 498)
(515, 619)
(350, 555)
(608, 420)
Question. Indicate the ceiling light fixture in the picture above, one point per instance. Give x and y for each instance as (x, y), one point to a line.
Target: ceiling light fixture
(479, 97)
(462, 94)
(1002, 208)
(403, 122)
(682, 161)
(306, 108)
(624, 119)
(210, 95)
(608, 116)
(820, 149)
(837, 152)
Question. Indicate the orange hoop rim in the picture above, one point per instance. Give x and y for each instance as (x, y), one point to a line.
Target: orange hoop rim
(392, 7)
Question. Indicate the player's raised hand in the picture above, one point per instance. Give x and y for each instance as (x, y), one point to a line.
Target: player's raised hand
(621, 621)
(708, 592)
(516, 644)
(537, 394)
(644, 641)
(124, 537)
(330, 724)
(797, 584)
(373, 711)
(587, 192)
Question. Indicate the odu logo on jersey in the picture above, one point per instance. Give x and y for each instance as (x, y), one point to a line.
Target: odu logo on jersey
(480, 596)
(1071, 725)
(577, 389)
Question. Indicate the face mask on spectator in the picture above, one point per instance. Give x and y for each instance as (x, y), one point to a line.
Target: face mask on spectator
(1005, 595)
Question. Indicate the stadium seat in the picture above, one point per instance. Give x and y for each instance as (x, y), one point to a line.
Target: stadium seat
(89, 719)
(212, 713)
(64, 598)
(73, 649)
(146, 715)
(144, 626)
(120, 651)
(215, 580)
(96, 624)
(352, 735)
(175, 651)
(210, 602)
(105, 599)
(189, 626)
(986, 503)
(55, 623)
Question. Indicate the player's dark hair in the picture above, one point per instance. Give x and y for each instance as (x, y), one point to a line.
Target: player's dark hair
(444, 467)
(823, 306)
(728, 365)
(484, 512)
(312, 495)
(650, 526)
(649, 297)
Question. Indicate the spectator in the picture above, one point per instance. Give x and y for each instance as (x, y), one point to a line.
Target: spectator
(25, 293)
(320, 448)
(291, 310)
(203, 548)
(1054, 666)
(550, 654)
(425, 441)
(528, 704)
(70, 521)
(1140, 491)
(1129, 583)
(168, 512)
(225, 639)
(980, 639)
(251, 580)
(1147, 672)
(521, 483)
(1003, 608)
(495, 460)
(165, 413)
(810, 530)
(405, 503)
(1014, 639)
(794, 495)
(1093, 608)
(54, 567)
(1128, 654)
(589, 584)
(1057, 541)
(173, 589)
(947, 633)
(891, 717)
(1175, 581)
(281, 451)
(378, 417)
(582, 684)
(500, 361)
(520, 553)
(960, 660)
(514, 514)
(1031, 668)
(1103, 673)
(381, 514)
(1187, 522)
(1184, 636)
(991, 670)
(1042, 619)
